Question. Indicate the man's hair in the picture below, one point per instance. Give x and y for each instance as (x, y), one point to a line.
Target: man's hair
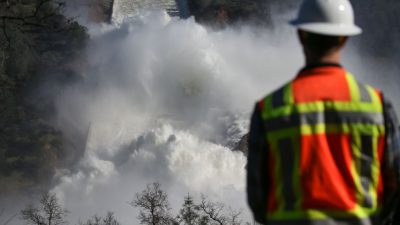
(320, 44)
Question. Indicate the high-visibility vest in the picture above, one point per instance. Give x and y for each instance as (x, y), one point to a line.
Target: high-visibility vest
(326, 145)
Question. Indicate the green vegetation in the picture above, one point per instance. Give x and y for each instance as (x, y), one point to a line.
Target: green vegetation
(37, 43)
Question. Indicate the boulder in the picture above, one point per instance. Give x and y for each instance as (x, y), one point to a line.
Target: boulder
(242, 145)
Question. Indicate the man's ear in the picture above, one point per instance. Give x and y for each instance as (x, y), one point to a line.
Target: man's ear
(342, 41)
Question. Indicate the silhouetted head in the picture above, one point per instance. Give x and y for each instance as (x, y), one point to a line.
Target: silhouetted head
(320, 46)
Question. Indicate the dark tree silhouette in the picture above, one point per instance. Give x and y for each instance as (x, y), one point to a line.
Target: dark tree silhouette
(38, 44)
(5, 220)
(190, 213)
(48, 212)
(216, 213)
(109, 219)
(155, 210)
(154, 206)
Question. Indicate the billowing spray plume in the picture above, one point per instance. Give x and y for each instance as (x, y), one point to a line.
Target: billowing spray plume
(165, 100)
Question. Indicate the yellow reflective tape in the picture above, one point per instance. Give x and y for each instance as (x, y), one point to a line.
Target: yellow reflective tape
(321, 106)
(354, 105)
(288, 94)
(376, 100)
(355, 146)
(296, 175)
(267, 106)
(293, 137)
(356, 96)
(353, 87)
(327, 129)
(338, 106)
(278, 171)
(357, 212)
(375, 170)
(295, 133)
(284, 133)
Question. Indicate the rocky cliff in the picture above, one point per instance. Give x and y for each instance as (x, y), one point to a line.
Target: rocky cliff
(215, 13)
(220, 13)
(34, 48)
(91, 10)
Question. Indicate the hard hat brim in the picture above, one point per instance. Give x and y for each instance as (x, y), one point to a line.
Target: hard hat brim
(328, 29)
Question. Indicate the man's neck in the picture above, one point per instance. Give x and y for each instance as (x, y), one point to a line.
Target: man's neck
(333, 58)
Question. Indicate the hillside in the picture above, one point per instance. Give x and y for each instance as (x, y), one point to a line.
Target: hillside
(38, 45)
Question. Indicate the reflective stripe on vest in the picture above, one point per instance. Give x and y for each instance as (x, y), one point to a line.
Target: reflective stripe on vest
(341, 137)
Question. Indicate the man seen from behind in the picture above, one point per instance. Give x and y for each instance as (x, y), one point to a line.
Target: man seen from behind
(324, 148)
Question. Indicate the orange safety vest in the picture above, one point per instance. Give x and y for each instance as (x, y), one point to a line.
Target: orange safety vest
(325, 133)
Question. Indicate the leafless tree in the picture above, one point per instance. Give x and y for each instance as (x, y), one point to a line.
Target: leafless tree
(6, 220)
(155, 210)
(234, 217)
(213, 210)
(154, 206)
(49, 212)
(109, 219)
(216, 212)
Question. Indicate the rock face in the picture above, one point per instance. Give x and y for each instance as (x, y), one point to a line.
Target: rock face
(35, 60)
(242, 145)
(215, 13)
(95, 10)
(220, 13)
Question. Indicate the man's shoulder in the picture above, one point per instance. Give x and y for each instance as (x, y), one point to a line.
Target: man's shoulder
(277, 91)
(368, 86)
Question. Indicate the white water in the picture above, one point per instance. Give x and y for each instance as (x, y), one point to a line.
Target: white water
(164, 100)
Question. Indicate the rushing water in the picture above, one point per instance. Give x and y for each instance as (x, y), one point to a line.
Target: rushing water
(165, 100)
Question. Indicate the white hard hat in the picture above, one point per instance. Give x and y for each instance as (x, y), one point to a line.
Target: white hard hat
(327, 17)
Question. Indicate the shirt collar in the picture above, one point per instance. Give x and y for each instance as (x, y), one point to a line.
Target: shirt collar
(314, 68)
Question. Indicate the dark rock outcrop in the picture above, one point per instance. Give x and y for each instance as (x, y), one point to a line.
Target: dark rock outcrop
(221, 13)
(242, 145)
(33, 51)
(99, 11)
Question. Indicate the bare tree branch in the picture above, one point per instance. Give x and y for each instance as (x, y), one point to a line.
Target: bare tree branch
(213, 210)
(50, 212)
(234, 217)
(154, 206)
(11, 218)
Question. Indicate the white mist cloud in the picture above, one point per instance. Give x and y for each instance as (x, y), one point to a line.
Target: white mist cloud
(163, 100)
